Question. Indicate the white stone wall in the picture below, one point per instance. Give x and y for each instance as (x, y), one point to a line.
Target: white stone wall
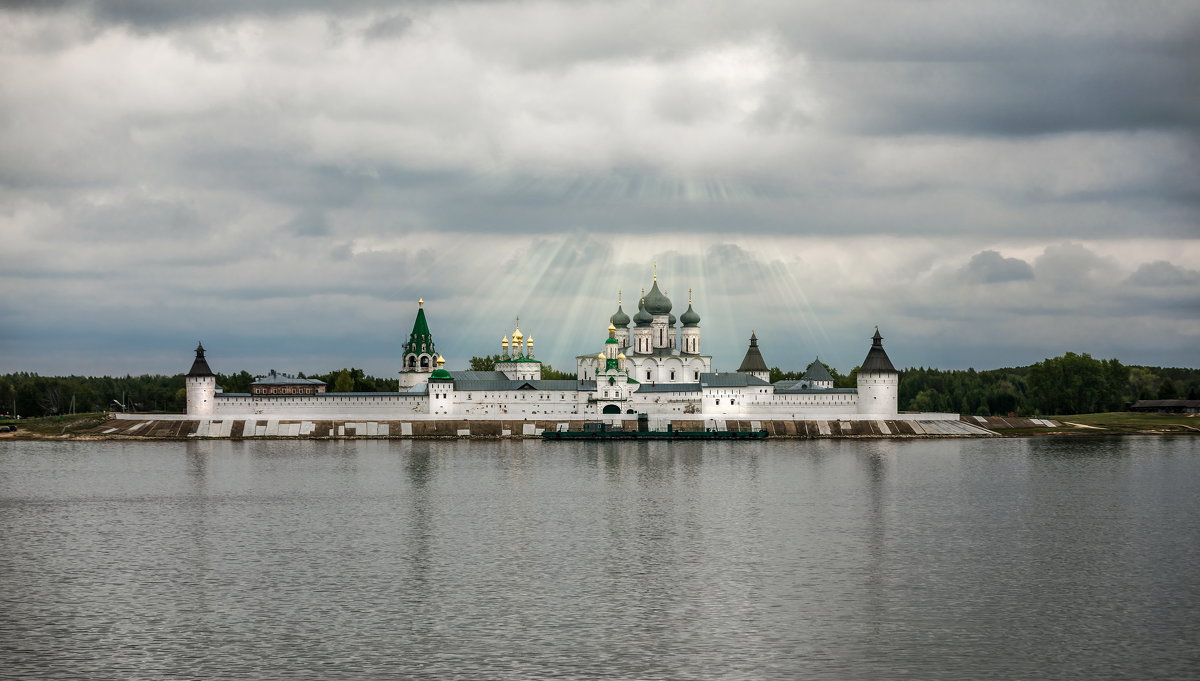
(691, 340)
(878, 393)
(522, 403)
(320, 407)
(521, 371)
(762, 400)
(201, 395)
(669, 369)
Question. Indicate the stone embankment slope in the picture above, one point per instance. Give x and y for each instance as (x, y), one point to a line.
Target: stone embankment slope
(305, 429)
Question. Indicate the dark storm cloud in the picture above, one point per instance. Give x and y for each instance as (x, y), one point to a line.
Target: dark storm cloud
(989, 267)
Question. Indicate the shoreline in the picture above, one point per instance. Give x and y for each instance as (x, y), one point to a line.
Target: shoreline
(98, 427)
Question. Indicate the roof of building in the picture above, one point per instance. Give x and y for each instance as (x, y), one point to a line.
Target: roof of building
(730, 380)
(200, 366)
(479, 375)
(420, 334)
(656, 302)
(1151, 404)
(817, 372)
(619, 318)
(877, 360)
(690, 318)
(753, 361)
(669, 388)
(793, 388)
(417, 390)
(642, 317)
(499, 384)
(274, 378)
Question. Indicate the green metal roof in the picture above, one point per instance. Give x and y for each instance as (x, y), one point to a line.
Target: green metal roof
(420, 336)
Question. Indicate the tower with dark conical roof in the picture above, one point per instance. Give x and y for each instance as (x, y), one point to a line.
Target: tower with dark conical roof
(201, 386)
(420, 354)
(878, 381)
(753, 363)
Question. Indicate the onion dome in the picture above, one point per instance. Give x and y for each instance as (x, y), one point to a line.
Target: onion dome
(620, 355)
(643, 317)
(620, 318)
(690, 318)
(440, 373)
(877, 360)
(656, 302)
(671, 320)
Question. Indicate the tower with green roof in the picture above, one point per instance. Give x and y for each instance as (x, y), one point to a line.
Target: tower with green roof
(420, 354)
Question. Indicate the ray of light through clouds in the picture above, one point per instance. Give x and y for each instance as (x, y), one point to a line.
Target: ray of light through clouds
(990, 182)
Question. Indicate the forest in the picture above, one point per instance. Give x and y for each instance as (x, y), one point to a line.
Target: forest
(1068, 384)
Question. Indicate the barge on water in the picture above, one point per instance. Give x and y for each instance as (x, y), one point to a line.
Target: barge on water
(603, 431)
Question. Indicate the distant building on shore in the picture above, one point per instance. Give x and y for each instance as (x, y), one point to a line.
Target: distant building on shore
(654, 368)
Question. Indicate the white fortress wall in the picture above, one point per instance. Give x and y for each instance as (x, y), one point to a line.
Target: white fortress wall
(322, 406)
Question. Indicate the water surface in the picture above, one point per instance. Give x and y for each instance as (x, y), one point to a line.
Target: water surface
(923, 559)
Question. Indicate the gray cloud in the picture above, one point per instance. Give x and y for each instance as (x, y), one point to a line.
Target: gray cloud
(807, 172)
(989, 267)
(1163, 273)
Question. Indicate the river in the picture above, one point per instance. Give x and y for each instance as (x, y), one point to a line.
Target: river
(1055, 558)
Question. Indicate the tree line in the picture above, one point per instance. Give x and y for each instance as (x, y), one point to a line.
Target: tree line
(1069, 384)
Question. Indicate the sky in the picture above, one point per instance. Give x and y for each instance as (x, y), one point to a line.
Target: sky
(990, 182)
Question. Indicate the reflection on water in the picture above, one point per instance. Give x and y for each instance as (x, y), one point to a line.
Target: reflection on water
(1039, 558)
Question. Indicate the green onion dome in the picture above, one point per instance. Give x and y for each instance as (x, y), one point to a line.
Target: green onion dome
(690, 318)
(441, 375)
(656, 302)
(620, 319)
(642, 318)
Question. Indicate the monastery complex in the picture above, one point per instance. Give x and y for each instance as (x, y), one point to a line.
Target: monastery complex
(651, 363)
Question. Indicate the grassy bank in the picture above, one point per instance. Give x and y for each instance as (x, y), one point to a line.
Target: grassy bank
(55, 426)
(1114, 423)
(1135, 422)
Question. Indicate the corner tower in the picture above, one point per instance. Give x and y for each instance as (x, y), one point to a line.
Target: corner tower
(201, 384)
(420, 355)
(753, 363)
(878, 381)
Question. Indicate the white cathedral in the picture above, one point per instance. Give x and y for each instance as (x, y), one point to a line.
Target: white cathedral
(655, 368)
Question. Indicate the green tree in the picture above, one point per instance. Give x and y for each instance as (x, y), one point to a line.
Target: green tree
(1074, 384)
(343, 383)
(485, 363)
